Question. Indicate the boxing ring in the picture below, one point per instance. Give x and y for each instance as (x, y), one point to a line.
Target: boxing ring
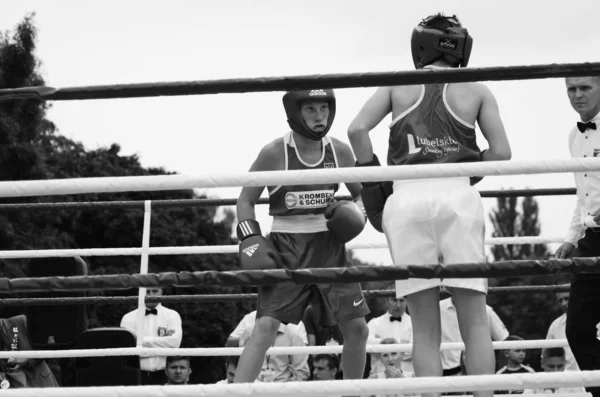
(145, 280)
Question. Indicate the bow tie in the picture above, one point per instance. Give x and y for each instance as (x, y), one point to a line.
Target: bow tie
(399, 319)
(585, 126)
(152, 311)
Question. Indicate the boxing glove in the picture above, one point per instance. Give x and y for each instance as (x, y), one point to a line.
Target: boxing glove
(256, 252)
(374, 195)
(476, 179)
(345, 220)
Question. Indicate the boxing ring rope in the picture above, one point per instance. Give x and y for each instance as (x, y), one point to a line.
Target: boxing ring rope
(226, 249)
(287, 83)
(294, 177)
(347, 387)
(355, 274)
(274, 351)
(212, 298)
(208, 202)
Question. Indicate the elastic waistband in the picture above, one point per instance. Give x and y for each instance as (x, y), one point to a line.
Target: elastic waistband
(446, 183)
(299, 224)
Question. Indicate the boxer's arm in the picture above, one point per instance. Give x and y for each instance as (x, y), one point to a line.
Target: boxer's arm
(374, 110)
(492, 127)
(268, 159)
(346, 159)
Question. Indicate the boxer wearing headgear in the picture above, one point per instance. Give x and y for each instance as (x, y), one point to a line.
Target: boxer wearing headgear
(292, 101)
(428, 219)
(309, 230)
(440, 38)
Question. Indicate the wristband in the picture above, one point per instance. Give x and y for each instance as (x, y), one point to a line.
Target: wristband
(374, 162)
(248, 228)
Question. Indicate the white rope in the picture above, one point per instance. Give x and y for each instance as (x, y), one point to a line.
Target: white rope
(346, 387)
(229, 249)
(288, 350)
(296, 177)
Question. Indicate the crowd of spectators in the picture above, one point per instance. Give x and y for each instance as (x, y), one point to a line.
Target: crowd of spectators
(162, 328)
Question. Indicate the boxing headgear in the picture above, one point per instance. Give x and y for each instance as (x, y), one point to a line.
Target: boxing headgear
(438, 35)
(292, 101)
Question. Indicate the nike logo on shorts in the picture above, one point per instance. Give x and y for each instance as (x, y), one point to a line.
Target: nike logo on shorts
(359, 302)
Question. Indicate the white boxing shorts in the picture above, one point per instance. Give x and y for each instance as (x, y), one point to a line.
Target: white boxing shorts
(435, 221)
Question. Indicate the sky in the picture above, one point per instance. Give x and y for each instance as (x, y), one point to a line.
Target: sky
(84, 43)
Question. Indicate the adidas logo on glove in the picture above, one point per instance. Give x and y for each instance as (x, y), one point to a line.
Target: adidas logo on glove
(251, 249)
(317, 93)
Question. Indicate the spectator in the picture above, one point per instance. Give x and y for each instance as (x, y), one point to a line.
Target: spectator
(451, 333)
(161, 328)
(326, 367)
(21, 372)
(391, 364)
(178, 370)
(555, 360)
(557, 330)
(514, 360)
(320, 335)
(514, 364)
(395, 323)
(230, 368)
(248, 322)
(282, 368)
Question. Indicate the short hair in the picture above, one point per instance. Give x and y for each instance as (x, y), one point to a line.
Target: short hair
(553, 352)
(512, 337)
(232, 360)
(332, 360)
(389, 341)
(440, 21)
(172, 359)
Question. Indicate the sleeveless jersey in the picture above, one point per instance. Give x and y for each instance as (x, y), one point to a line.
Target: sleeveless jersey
(430, 132)
(303, 199)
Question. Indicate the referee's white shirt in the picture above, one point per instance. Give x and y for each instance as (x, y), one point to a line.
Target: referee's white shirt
(160, 330)
(585, 144)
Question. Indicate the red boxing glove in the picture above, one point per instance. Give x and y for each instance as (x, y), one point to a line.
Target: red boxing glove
(345, 220)
(374, 195)
(256, 252)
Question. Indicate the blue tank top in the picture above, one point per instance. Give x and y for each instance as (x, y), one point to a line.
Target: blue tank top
(303, 199)
(430, 132)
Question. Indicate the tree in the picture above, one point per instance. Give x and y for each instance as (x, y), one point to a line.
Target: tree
(527, 315)
(32, 148)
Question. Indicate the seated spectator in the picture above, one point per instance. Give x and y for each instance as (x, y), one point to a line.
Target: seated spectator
(326, 367)
(320, 335)
(178, 370)
(396, 324)
(514, 360)
(557, 330)
(514, 364)
(282, 368)
(555, 360)
(230, 368)
(391, 363)
(21, 372)
(248, 322)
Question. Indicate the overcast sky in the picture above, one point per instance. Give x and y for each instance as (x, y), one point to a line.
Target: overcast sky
(85, 42)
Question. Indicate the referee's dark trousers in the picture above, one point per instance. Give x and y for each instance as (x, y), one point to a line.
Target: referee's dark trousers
(583, 314)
